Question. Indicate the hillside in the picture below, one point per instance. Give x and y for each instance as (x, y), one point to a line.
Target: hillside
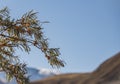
(107, 73)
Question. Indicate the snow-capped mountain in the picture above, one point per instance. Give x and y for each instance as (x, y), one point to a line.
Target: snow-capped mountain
(33, 73)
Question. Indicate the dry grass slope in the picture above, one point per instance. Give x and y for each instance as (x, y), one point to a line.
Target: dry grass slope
(106, 73)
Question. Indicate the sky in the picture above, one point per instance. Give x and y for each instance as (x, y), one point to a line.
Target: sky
(86, 31)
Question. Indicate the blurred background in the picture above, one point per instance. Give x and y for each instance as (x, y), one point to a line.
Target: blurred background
(86, 31)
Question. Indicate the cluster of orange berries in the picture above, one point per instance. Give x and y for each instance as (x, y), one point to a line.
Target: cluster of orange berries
(26, 25)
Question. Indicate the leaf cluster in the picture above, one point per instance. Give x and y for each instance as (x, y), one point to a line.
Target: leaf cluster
(21, 34)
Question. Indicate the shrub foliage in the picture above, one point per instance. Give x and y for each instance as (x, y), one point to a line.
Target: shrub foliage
(22, 34)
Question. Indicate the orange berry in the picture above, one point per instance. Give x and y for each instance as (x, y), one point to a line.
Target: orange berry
(48, 57)
(28, 30)
(27, 24)
(17, 27)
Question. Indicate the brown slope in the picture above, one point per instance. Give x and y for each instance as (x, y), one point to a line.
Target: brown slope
(63, 79)
(106, 73)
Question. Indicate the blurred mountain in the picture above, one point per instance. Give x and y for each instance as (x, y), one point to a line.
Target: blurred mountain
(107, 73)
(33, 73)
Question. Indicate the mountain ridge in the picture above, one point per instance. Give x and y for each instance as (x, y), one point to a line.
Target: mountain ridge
(107, 73)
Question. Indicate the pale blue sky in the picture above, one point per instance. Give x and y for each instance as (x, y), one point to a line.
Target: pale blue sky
(86, 31)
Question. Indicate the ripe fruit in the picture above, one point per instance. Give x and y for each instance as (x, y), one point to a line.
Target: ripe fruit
(28, 30)
(48, 57)
(27, 25)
